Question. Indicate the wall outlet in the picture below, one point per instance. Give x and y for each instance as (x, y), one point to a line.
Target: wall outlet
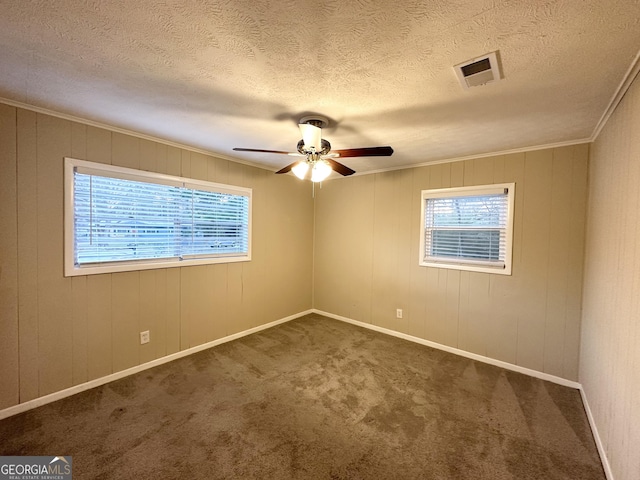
(398, 313)
(144, 337)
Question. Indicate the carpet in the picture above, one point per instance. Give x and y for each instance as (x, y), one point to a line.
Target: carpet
(316, 398)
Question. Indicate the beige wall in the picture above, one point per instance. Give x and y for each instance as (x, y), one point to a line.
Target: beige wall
(366, 259)
(58, 332)
(610, 357)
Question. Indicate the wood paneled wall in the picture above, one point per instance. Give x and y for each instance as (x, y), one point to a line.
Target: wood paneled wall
(610, 356)
(58, 332)
(366, 259)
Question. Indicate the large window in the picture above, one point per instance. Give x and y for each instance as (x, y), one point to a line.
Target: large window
(468, 228)
(119, 219)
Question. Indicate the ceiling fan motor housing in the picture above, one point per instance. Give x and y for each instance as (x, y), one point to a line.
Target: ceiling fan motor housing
(326, 147)
(315, 120)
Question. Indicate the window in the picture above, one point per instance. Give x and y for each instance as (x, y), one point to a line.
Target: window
(118, 219)
(468, 228)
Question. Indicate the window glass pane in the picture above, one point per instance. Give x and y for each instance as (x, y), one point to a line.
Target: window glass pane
(478, 211)
(123, 220)
(219, 224)
(468, 228)
(118, 220)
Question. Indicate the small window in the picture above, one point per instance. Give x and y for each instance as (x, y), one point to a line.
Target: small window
(118, 219)
(468, 228)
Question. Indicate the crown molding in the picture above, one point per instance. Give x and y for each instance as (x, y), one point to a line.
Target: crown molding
(125, 131)
(533, 148)
(626, 82)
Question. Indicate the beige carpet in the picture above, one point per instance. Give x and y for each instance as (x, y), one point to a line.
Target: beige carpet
(316, 399)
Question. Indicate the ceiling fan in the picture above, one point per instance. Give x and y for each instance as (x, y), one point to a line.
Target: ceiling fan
(319, 158)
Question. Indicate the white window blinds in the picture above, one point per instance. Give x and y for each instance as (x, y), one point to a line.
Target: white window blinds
(216, 223)
(120, 216)
(469, 226)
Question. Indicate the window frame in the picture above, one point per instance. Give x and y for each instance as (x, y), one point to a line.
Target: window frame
(123, 173)
(466, 264)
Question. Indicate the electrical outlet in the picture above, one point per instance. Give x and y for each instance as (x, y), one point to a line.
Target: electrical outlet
(398, 313)
(144, 337)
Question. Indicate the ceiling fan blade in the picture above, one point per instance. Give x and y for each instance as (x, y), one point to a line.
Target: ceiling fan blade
(311, 136)
(339, 168)
(366, 152)
(288, 168)
(259, 150)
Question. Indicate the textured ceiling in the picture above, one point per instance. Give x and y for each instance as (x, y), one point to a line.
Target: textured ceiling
(240, 73)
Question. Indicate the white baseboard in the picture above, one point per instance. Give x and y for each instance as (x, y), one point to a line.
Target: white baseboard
(67, 392)
(509, 366)
(23, 407)
(456, 351)
(596, 437)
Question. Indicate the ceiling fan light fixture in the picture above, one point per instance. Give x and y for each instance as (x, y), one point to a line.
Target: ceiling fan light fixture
(300, 169)
(320, 171)
(317, 152)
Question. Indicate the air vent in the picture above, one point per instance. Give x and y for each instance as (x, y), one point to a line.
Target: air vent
(479, 71)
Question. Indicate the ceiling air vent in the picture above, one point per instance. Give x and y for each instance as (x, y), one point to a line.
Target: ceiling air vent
(479, 71)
